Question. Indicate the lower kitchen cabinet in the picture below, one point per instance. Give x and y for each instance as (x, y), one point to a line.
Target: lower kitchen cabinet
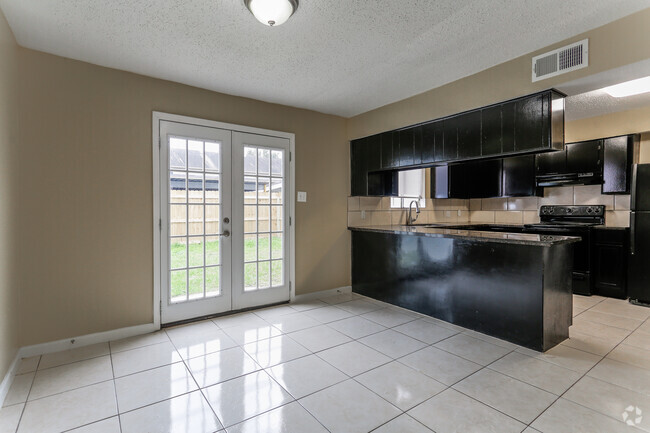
(610, 265)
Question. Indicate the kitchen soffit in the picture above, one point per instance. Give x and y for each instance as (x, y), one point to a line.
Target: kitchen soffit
(336, 56)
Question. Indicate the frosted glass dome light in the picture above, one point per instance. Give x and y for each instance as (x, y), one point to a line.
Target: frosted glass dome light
(272, 12)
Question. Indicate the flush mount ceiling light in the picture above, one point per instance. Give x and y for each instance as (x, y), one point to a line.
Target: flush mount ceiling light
(629, 88)
(272, 12)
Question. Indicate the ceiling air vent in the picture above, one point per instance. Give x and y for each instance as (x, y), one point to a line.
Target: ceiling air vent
(562, 60)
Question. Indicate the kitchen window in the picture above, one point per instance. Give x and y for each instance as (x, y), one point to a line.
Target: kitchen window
(412, 186)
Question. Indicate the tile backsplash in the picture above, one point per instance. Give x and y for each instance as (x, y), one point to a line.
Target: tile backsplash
(374, 211)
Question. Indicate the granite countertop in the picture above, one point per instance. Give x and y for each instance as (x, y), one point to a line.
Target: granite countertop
(439, 231)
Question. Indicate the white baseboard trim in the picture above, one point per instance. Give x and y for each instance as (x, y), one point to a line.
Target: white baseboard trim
(85, 340)
(69, 343)
(9, 377)
(322, 293)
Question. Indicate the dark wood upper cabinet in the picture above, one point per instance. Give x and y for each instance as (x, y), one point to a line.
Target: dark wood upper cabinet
(491, 133)
(440, 181)
(373, 152)
(406, 147)
(518, 177)
(484, 178)
(527, 125)
(460, 181)
(438, 130)
(358, 167)
(605, 161)
(383, 183)
(617, 163)
(450, 144)
(469, 135)
(428, 144)
(550, 163)
(418, 146)
(473, 179)
(585, 157)
(386, 140)
(508, 127)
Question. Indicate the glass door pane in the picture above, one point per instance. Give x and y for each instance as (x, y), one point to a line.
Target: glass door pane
(197, 196)
(260, 175)
(263, 198)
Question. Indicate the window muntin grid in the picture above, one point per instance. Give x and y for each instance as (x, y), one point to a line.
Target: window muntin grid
(264, 232)
(194, 210)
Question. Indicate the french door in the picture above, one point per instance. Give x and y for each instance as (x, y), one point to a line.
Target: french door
(223, 226)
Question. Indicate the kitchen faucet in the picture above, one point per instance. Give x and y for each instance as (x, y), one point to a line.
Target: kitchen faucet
(410, 220)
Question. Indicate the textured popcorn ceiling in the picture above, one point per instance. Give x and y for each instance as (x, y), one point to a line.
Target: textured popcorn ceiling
(342, 57)
(587, 99)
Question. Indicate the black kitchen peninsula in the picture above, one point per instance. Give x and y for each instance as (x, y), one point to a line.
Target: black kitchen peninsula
(513, 286)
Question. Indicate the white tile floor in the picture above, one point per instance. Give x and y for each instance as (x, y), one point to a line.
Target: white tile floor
(343, 364)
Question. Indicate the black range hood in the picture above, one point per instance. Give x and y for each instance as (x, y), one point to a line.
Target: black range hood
(578, 164)
(562, 179)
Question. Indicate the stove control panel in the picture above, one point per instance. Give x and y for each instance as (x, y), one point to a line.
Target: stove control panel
(572, 211)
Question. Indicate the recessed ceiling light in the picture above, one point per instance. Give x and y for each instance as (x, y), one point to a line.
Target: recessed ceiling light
(272, 12)
(629, 88)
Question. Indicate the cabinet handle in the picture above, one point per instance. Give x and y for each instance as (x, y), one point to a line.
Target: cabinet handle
(632, 224)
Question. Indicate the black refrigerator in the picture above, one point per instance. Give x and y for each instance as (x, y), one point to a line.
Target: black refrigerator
(638, 276)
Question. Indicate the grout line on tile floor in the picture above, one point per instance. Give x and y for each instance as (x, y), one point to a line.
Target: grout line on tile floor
(328, 324)
(585, 374)
(117, 402)
(187, 367)
(469, 396)
(28, 393)
(91, 423)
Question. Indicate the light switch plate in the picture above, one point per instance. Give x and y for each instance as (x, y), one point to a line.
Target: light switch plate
(302, 196)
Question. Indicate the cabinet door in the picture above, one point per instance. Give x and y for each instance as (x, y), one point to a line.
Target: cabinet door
(529, 124)
(469, 135)
(438, 131)
(373, 152)
(508, 127)
(550, 163)
(418, 145)
(460, 181)
(387, 158)
(491, 131)
(428, 132)
(382, 183)
(440, 181)
(358, 169)
(610, 271)
(450, 146)
(518, 176)
(617, 164)
(406, 147)
(584, 157)
(483, 178)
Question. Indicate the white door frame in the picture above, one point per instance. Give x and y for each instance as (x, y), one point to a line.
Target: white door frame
(157, 234)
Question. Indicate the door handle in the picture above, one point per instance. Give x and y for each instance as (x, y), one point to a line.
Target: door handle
(225, 234)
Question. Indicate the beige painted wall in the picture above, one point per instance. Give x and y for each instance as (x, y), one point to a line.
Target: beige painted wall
(8, 291)
(85, 187)
(81, 176)
(616, 44)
